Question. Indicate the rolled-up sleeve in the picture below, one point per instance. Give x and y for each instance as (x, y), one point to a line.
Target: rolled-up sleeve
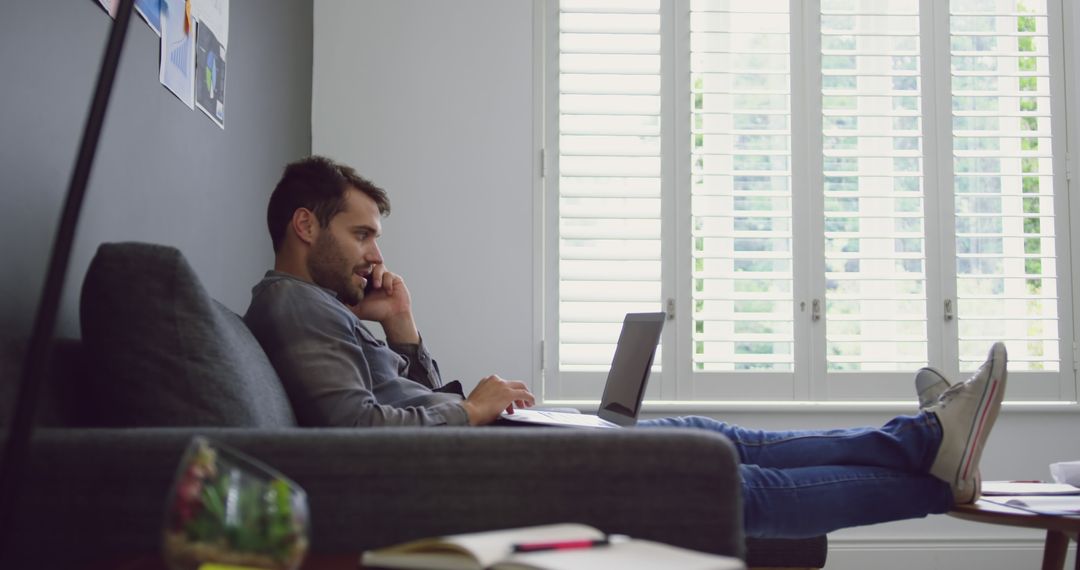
(419, 367)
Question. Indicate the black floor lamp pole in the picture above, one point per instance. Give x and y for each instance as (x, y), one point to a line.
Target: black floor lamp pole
(36, 360)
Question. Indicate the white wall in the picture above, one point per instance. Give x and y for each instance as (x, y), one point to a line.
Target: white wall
(434, 101)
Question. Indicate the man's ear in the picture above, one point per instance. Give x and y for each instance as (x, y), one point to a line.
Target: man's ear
(305, 225)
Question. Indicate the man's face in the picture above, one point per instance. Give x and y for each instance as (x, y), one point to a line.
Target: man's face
(344, 252)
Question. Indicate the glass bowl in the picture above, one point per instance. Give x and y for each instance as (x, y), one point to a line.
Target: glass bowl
(227, 508)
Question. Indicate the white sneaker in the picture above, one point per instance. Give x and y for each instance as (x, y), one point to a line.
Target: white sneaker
(966, 413)
(930, 383)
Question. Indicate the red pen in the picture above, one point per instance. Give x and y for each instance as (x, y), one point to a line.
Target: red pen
(560, 545)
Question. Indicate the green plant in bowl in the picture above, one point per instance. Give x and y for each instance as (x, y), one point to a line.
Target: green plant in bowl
(228, 508)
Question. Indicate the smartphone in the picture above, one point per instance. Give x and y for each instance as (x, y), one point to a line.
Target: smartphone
(369, 286)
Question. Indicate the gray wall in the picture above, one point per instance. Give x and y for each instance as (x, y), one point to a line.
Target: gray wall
(164, 173)
(434, 102)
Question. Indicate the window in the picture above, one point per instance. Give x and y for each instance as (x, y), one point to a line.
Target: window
(1004, 184)
(875, 304)
(740, 85)
(824, 195)
(609, 200)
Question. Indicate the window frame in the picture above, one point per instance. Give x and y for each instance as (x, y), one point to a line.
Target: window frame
(809, 382)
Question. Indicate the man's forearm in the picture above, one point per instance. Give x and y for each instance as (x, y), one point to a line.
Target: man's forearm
(401, 330)
(357, 414)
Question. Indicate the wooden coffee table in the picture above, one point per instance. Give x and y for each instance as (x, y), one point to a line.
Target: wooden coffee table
(1059, 529)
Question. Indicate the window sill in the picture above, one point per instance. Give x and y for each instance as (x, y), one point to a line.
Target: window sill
(690, 407)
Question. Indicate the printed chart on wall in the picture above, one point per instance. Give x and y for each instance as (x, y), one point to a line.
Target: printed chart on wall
(194, 40)
(215, 15)
(177, 71)
(211, 41)
(210, 75)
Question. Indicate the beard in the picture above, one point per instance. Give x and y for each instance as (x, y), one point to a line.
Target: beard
(329, 269)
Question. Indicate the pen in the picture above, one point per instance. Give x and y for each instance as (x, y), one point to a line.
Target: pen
(1026, 481)
(560, 545)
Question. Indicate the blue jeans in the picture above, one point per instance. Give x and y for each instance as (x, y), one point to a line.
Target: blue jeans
(797, 484)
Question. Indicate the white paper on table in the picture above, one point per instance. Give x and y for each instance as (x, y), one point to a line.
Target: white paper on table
(177, 71)
(1066, 472)
(1059, 505)
(1003, 488)
(215, 15)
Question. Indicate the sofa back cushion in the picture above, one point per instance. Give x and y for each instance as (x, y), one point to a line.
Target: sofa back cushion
(166, 354)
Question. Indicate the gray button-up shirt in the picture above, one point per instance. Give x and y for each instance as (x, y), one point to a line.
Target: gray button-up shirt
(335, 371)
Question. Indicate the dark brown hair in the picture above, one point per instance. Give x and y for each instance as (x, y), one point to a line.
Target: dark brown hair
(320, 185)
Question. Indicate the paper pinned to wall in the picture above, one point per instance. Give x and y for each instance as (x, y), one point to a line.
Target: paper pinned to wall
(150, 10)
(177, 69)
(110, 7)
(210, 75)
(192, 67)
(215, 15)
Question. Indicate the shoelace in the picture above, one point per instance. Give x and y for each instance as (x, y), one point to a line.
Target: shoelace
(955, 389)
(951, 392)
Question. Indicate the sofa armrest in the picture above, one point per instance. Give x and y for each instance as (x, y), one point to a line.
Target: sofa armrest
(101, 493)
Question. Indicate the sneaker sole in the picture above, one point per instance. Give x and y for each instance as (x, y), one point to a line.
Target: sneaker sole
(987, 413)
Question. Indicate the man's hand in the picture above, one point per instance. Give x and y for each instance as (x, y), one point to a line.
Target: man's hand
(493, 395)
(388, 303)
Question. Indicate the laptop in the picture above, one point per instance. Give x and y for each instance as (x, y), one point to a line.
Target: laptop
(626, 381)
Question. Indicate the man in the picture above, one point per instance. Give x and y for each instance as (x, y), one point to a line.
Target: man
(329, 275)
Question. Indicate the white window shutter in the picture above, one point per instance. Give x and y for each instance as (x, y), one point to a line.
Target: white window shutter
(609, 174)
(741, 186)
(1004, 186)
(874, 249)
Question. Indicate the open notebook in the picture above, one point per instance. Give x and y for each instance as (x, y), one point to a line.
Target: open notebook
(495, 550)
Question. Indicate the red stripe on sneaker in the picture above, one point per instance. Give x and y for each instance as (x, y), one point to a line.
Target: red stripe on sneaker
(978, 432)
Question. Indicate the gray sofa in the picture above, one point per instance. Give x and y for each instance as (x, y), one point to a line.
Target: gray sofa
(160, 361)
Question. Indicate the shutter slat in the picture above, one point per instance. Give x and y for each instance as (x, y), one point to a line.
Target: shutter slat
(609, 174)
(877, 292)
(1008, 292)
(741, 169)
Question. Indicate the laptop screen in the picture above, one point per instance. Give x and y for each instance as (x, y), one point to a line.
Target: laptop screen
(630, 367)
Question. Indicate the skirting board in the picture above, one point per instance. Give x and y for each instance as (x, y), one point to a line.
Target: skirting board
(905, 554)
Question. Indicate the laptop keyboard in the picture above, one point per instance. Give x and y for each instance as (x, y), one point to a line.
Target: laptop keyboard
(572, 419)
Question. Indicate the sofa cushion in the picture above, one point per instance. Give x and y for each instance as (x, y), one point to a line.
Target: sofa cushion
(787, 552)
(166, 354)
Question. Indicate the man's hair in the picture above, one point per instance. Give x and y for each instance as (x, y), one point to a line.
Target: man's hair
(320, 185)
